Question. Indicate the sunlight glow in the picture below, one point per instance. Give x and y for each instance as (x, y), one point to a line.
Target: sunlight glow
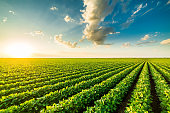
(19, 50)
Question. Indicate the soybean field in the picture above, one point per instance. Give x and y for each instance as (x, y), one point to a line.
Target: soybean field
(85, 85)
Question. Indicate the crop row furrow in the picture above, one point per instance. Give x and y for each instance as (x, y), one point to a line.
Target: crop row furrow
(29, 76)
(164, 67)
(162, 71)
(109, 102)
(141, 96)
(79, 101)
(36, 104)
(162, 89)
(17, 84)
(41, 76)
(51, 82)
(16, 99)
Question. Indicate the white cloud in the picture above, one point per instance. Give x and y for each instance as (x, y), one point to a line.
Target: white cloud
(138, 9)
(168, 2)
(4, 19)
(127, 23)
(126, 45)
(53, 8)
(147, 11)
(146, 37)
(158, 3)
(68, 19)
(114, 33)
(94, 13)
(131, 18)
(12, 12)
(144, 43)
(36, 33)
(156, 34)
(83, 38)
(58, 39)
(124, 5)
(165, 42)
(107, 46)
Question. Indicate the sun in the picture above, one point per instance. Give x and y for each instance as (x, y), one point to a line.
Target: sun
(19, 50)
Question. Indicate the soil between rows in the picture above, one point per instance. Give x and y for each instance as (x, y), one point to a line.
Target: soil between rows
(92, 103)
(162, 75)
(121, 108)
(155, 100)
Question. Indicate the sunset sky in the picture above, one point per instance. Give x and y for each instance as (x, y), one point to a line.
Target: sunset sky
(84, 28)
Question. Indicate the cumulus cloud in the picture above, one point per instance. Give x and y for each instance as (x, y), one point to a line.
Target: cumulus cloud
(68, 19)
(165, 42)
(126, 45)
(94, 13)
(53, 8)
(12, 12)
(36, 33)
(146, 37)
(58, 39)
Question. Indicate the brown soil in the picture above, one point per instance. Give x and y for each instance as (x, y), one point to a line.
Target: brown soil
(155, 100)
(121, 108)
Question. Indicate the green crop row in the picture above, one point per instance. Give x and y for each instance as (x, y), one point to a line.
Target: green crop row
(18, 98)
(162, 89)
(32, 74)
(79, 101)
(36, 104)
(35, 79)
(109, 102)
(21, 72)
(141, 96)
(52, 81)
(164, 67)
(165, 73)
(17, 84)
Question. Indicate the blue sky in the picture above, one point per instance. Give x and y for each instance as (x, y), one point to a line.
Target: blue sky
(85, 28)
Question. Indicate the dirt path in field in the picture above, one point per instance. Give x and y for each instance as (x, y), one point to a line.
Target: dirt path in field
(155, 100)
(121, 108)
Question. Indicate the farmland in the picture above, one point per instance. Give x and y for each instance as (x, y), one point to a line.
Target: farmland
(84, 85)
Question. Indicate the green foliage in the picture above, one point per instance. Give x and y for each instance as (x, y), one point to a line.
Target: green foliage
(79, 101)
(162, 89)
(49, 99)
(165, 72)
(110, 101)
(81, 85)
(141, 97)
